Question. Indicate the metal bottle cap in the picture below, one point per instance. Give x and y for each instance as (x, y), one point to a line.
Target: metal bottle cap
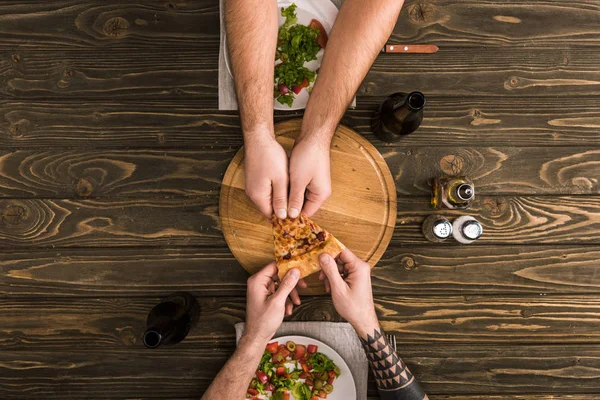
(442, 229)
(465, 191)
(472, 229)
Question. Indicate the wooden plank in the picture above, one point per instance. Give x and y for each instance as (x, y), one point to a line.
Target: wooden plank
(127, 172)
(96, 23)
(511, 220)
(110, 73)
(112, 173)
(502, 122)
(193, 221)
(110, 223)
(109, 272)
(212, 271)
(175, 73)
(490, 23)
(62, 323)
(186, 372)
(93, 23)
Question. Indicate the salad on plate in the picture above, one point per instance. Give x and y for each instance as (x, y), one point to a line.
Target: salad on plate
(293, 369)
(297, 44)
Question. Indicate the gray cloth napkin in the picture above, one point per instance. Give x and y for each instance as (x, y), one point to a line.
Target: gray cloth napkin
(227, 98)
(340, 336)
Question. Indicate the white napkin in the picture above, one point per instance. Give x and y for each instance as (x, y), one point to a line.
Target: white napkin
(340, 336)
(227, 98)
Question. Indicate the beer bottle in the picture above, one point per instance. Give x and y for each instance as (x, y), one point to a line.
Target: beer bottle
(399, 115)
(170, 321)
(452, 192)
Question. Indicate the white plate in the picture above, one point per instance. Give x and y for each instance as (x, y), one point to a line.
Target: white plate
(305, 12)
(344, 387)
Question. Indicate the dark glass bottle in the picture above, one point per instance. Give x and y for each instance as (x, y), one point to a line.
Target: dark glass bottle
(170, 321)
(399, 115)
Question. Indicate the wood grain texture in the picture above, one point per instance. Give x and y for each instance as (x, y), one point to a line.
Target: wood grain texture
(79, 173)
(502, 122)
(361, 209)
(194, 221)
(96, 23)
(89, 323)
(184, 72)
(491, 24)
(93, 23)
(213, 271)
(107, 223)
(442, 369)
(511, 220)
(112, 173)
(111, 272)
(128, 73)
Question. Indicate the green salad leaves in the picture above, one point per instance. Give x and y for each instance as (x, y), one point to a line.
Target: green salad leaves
(296, 45)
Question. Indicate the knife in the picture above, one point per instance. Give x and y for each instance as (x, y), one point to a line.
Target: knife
(410, 48)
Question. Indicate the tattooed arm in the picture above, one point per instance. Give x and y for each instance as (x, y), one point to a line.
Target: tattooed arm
(394, 380)
(349, 282)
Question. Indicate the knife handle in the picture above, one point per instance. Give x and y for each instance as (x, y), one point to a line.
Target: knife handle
(411, 48)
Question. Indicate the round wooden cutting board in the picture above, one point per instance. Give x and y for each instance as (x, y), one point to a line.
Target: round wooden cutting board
(361, 211)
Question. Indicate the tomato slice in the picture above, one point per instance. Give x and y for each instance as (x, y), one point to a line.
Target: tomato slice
(306, 368)
(309, 382)
(297, 89)
(272, 347)
(322, 394)
(253, 392)
(312, 348)
(286, 396)
(300, 352)
(330, 380)
(262, 377)
(280, 371)
(322, 36)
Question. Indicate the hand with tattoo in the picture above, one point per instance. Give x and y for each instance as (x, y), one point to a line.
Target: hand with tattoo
(348, 279)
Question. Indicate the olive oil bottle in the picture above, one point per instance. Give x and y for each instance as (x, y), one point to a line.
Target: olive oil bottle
(457, 192)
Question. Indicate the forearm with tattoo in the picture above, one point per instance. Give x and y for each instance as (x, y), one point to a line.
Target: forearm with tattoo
(394, 380)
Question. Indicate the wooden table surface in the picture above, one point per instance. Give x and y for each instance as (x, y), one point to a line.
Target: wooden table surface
(113, 150)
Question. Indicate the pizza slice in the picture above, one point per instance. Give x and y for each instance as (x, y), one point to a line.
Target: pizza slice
(298, 244)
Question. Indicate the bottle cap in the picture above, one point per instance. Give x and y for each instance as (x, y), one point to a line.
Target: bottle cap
(465, 191)
(442, 229)
(472, 229)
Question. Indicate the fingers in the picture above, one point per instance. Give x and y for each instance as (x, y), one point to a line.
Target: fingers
(280, 188)
(331, 271)
(262, 198)
(287, 285)
(297, 189)
(302, 284)
(315, 196)
(295, 297)
(267, 274)
(289, 307)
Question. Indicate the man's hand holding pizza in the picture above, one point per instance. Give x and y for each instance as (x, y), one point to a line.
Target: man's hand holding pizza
(267, 302)
(310, 181)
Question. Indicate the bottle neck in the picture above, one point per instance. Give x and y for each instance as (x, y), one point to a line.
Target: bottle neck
(152, 338)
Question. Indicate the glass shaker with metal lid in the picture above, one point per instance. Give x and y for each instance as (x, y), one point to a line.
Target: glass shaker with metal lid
(466, 229)
(436, 228)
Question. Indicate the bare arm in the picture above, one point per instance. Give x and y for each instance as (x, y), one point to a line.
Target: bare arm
(233, 379)
(360, 31)
(265, 308)
(353, 299)
(251, 38)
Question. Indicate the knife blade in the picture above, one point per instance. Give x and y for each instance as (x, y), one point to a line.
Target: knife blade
(410, 48)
